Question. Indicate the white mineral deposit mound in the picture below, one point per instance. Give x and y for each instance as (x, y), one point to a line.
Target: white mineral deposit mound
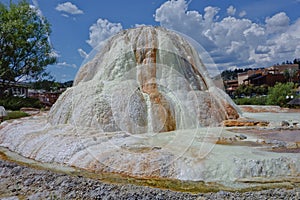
(143, 80)
(146, 106)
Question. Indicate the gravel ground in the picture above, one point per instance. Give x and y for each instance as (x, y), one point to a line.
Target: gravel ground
(19, 182)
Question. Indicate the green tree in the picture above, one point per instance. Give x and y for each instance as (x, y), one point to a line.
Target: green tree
(277, 94)
(290, 74)
(251, 90)
(47, 85)
(297, 61)
(261, 90)
(25, 49)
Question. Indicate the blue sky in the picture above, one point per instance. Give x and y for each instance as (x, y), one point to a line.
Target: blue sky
(248, 33)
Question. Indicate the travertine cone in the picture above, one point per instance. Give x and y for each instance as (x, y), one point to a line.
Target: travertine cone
(110, 91)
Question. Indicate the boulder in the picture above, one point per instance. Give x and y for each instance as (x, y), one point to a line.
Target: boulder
(3, 113)
(30, 111)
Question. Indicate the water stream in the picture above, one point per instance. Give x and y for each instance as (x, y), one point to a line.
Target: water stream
(149, 113)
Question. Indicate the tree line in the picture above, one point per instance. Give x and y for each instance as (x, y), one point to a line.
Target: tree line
(233, 74)
(279, 95)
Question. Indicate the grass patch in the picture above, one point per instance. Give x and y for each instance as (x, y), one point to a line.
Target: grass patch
(15, 115)
(256, 100)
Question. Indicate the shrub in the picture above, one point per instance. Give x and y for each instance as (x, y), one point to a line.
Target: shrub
(16, 103)
(277, 94)
(258, 100)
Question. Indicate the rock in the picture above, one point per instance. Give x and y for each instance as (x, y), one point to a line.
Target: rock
(30, 111)
(243, 122)
(225, 140)
(290, 124)
(3, 113)
(263, 123)
(292, 145)
(278, 144)
(285, 123)
(295, 123)
(241, 136)
(17, 170)
(258, 108)
(230, 123)
(100, 190)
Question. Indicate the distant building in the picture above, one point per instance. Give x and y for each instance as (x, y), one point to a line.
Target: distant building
(266, 79)
(279, 69)
(23, 90)
(14, 88)
(271, 75)
(243, 78)
(231, 86)
(45, 97)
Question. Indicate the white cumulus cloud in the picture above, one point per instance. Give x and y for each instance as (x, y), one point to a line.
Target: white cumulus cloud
(82, 53)
(69, 8)
(243, 13)
(102, 30)
(231, 10)
(35, 6)
(65, 64)
(234, 41)
(277, 23)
